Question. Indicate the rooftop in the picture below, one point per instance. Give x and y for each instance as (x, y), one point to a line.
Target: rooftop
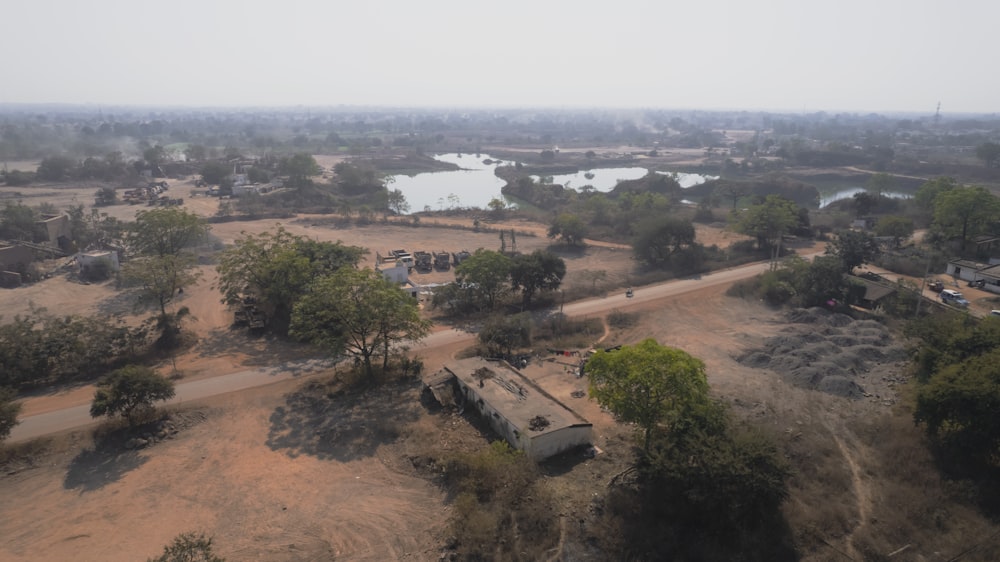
(514, 396)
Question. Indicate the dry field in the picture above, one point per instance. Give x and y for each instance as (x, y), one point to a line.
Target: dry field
(274, 476)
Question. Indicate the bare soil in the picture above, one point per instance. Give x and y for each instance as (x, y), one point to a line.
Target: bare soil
(286, 472)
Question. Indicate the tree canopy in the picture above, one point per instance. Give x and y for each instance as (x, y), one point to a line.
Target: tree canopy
(989, 153)
(651, 385)
(768, 222)
(9, 409)
(485, 274)
(896, 227)
(276, 268)
(128, 391)
(964, 212)
(660, 238)
(360, 313)
(854, 248)
(538, 271)
(569, 228)
(165, 232)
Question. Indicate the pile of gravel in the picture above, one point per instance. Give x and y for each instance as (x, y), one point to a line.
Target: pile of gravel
(826, 351)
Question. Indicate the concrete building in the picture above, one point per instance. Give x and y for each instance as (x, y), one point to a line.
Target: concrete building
(527, 416)
(89, 259)
(395, 272)
(57, 230)
(976, 272)
(15, 258)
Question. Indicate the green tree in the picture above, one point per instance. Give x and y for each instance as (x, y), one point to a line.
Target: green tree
(569, 228)
(276, 269)
(959, 402)
(989, 153)
(964, 212)
(128, 391)
(659, 238)
(9, 409)
(188, 547)
(18, 222)
(880, 184)
(360, 313)
(155, 155)
(215, 172)
(486, 274)
(502, 334)
(161, 278)
(768, 222)
(165, 232)
(538, 271)
(299, 168)
(55, 168)
(896, 227)
(396, 202)
(929, 190)
(651, 385)
(854, 248)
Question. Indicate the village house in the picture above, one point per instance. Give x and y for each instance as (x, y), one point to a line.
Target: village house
(527, 416)
(987, 275)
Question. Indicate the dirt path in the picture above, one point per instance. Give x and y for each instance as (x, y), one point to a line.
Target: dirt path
(861, 489)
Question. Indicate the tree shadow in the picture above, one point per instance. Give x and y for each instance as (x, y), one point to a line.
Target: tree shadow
(105, 463)
(281, 356)
(339, 425)
(125, 302)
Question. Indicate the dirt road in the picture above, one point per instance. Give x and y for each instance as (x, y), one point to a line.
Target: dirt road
(79, 415)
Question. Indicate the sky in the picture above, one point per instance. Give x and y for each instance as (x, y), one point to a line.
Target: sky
(776, 55)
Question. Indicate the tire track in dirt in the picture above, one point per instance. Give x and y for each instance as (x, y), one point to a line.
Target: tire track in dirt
(861, 489)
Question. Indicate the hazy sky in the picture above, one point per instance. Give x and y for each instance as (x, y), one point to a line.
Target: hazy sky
(798, 55)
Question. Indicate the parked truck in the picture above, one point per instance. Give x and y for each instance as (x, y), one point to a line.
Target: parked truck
(422, 261)
(442, 260)
(459, 257)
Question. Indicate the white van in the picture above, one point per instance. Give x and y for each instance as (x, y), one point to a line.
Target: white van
(953, 297)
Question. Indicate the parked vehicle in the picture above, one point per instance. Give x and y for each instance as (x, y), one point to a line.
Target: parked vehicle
(935, 285)
(953, 297)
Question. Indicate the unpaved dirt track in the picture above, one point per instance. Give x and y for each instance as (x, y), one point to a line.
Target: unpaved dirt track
(78, 416)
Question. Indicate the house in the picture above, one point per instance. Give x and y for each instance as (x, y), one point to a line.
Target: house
(396, 272)
(90, 259)
(976, 272)
(56, 229)
(874, 291)
(527, 416)
(15, 258)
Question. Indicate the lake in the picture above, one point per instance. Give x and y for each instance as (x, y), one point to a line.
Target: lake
(475, 185)
(472, 186)
(827, 198)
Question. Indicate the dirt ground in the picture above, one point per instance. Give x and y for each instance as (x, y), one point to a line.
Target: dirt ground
(270, 483)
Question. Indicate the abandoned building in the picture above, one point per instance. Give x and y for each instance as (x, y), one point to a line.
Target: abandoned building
(528, 417)
(89, 260)
(57, 230)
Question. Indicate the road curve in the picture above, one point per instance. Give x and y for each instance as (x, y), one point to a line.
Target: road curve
(32, 427)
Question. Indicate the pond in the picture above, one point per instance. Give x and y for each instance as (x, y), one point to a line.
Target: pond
(829, 197)
(472, 186)
(475, 185)
(605, 179)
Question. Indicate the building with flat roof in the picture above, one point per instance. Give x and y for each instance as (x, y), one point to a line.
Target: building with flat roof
(527, 416)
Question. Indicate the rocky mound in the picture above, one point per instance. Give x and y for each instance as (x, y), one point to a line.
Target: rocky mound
(826, 351)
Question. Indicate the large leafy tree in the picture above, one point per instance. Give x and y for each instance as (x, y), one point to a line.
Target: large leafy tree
(989, 153)
(659, 238)
(964, 212)
(854, 248)
(161, 278)
(896, 227)
(360, 313)
(128, 391)
(277, 267)
(299, 167)
(9, 409)
(569, 228)
(502, 334)
(929, 190)
(486, 274)
(768, 222)
(165, 232)
(648, 384)
(960, 404)
(538, 271)
(396, 202)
